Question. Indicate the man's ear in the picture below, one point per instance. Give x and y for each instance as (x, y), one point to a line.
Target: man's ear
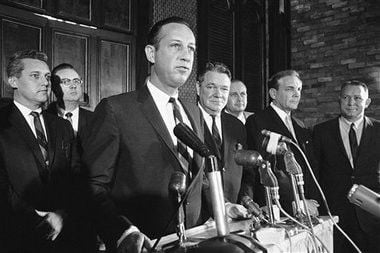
(198, 87)
(272, 93)
(13, 82)
(367, 102)
(150, 52)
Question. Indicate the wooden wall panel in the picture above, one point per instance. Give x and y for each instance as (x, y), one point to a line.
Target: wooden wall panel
(114, 68)
(75, 8)
(117, 14)
(72, 49)
(17, 36)
(30, 3)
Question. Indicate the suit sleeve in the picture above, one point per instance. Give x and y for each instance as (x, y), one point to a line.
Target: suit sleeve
(99, 157)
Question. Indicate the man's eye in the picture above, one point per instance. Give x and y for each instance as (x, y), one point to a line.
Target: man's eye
(36, 76)
(192, 49)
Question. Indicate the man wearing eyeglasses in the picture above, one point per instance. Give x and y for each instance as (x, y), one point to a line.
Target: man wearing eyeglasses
(38, 162)
(67, 88)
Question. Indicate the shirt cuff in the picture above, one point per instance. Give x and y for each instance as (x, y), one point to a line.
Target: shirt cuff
(130, 230)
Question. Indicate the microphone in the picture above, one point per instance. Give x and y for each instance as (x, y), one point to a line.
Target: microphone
(252, 207)
(292, 166)
(177, 187)
(187, 136)
(248, 158)
(274, 143)
(365, 198)
(177, 183)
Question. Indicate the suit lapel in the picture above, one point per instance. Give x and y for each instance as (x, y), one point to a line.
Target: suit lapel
(280, 125)
(366, 139)
(149, 109)
(339, 140)
(22, 127)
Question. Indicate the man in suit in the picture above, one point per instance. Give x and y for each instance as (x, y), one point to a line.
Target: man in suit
(67, 87)
(237, 101)
(132, 151)
(285, 91)
(348, 151)
(224, 133)
(38, 162)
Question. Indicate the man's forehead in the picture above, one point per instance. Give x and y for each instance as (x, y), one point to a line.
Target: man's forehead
(238, 86)
(177, 31)
(292, 80)
(35, 65)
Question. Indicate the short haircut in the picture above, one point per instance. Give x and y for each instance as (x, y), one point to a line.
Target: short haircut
(273, 80)
(214, 67)
(354, 83)
(56, 80)
(16, 66)
(154, 33)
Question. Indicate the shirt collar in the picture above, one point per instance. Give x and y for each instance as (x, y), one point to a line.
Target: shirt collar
(25, 110)
(279, 111)
(357, 123)
(206, 114)
(159, 97)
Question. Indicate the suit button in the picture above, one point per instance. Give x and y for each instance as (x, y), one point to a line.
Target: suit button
(187, 203)
(352, 178)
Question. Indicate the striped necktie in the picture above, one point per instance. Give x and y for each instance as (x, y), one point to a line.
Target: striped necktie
(183, 155)
(215, 133)
(41, 138)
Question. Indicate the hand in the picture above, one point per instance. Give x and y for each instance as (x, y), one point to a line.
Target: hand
(235, 211)
(51, 225)
(312, 205)
(135, 242)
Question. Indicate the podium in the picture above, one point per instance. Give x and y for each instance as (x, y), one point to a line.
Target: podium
(296, 240)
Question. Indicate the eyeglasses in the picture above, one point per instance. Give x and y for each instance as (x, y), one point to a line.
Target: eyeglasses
(68, 82)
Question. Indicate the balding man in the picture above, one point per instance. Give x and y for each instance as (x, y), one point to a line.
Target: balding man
(237, 101)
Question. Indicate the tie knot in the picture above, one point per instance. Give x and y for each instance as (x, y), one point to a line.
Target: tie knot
(68, 115)
(353, 126)
(172, 100)
(35, 114)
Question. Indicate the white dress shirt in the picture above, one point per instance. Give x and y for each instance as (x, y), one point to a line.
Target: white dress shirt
(208, 119)
(283, 115)
(29, 118)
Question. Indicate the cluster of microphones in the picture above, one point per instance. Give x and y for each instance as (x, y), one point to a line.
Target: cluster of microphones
(275, 144)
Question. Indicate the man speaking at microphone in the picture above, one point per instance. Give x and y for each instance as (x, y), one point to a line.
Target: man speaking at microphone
(132, 151)
(285, 92)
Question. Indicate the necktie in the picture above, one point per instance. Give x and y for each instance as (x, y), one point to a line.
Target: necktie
(183, 154)
(68, 117)
(215, 133)
(289, 125)
(353, 143)
(41, 138)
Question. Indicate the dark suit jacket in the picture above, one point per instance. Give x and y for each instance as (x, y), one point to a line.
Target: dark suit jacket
(233, 133)
(131, 156)
(26, 183)
(85, 117)
(268, 119)
(337, 176)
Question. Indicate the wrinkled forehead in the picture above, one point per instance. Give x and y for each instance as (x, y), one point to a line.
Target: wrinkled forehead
(238, 87)
(290, 81)
(67, 73)
(176, 31)
(354, 90)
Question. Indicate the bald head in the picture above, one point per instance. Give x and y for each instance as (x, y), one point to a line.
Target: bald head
(237, 99)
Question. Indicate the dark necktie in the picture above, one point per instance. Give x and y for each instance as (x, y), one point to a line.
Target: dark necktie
(69, 116)
(41, 138)
(215, 133)
(353, 143)
(183, 154)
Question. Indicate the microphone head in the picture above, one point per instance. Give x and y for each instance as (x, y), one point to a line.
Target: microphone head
(291, 165)
(177, 183)
(365, 198)
(251, 206)
(267, 178)
(187, 136)
(248, 158)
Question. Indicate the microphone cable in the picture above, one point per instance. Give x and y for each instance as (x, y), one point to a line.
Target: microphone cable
(323, 197)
